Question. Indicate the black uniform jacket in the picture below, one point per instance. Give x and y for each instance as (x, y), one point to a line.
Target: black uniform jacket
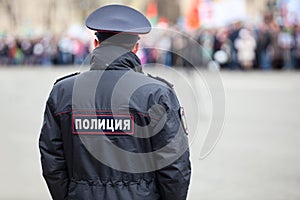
(114, 133)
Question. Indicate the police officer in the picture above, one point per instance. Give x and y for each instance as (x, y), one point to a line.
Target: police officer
(113, 132)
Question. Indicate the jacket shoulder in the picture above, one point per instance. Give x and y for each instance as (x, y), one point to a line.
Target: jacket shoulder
(65, 77)
(170, 85)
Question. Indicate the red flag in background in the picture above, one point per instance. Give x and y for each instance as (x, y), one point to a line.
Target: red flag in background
(152, 12)
(192, 16)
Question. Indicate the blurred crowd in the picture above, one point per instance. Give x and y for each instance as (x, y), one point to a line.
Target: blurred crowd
(46, 50)
(266, 46)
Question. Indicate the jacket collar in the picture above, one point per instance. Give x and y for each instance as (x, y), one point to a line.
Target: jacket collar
(114, 58)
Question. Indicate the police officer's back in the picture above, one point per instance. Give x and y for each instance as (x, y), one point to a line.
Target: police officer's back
(113, 132)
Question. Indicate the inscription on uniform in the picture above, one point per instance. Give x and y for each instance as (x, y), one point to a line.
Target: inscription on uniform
(103, 124)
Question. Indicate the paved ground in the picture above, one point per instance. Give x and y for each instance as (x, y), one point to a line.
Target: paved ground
(257, 157)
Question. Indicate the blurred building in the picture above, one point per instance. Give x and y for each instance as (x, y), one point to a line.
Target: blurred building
(38, 16)
(25, 17)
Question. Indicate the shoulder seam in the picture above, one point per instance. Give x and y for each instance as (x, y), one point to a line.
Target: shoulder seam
(67, 76)
(161, 80)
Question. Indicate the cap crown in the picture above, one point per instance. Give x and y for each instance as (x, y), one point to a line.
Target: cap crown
(118, 18)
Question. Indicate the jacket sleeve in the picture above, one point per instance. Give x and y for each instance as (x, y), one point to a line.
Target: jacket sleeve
(52, 156)
(174, 178)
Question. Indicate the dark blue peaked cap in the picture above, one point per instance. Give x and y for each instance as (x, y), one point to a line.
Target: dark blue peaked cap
(118, 18)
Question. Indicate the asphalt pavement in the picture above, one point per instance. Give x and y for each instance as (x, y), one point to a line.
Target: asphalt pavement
(257, 155)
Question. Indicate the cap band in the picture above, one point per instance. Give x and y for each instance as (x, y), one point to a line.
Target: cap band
(117, 37)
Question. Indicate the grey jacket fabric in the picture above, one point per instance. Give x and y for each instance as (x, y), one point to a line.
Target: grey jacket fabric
(114, 133)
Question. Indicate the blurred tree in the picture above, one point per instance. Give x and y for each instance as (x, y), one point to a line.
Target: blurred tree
(52, 6)
(169, 9)
(272, 5)
(85, 7)
(10, 10)
(81, 7)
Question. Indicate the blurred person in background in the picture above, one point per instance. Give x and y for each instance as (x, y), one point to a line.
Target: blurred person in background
(78, 51)
(245, 45)
(233, 36)
(164, 47)
(223, 48)
(286, 43)
(27, 48)
(164, 42)
(4, 51)
(15, 54)
(276, 51)
(264, 41)
(206, 40)
(65, 51)
(178, 44)
(192, 53)
(296, 49)
(38, 51)
(49, 50)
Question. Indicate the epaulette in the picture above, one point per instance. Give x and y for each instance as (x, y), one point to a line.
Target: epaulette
(62, 78)
(162, 80)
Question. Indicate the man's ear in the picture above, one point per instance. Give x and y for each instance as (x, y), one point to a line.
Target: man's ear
(96, 43)
(136, 48)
